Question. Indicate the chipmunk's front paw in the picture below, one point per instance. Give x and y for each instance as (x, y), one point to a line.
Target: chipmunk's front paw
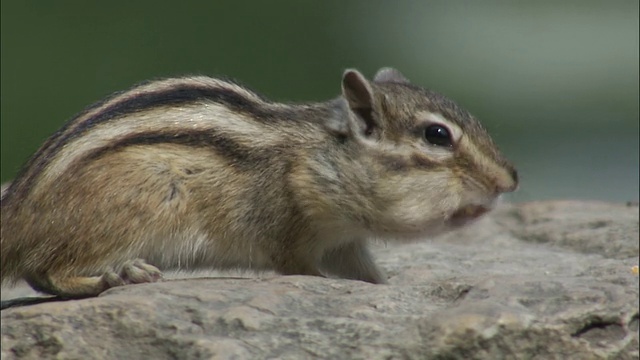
(133, 272)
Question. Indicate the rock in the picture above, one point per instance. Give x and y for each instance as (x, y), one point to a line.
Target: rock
(544, 280)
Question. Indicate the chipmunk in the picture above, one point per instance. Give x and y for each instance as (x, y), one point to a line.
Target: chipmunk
(197, 172)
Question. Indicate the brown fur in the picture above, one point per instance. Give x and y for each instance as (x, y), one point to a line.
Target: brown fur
(196, 172)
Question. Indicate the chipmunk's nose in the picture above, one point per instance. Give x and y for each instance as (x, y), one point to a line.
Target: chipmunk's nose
(508, 183)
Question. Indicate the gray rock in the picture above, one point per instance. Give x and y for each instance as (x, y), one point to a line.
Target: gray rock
(546, 280)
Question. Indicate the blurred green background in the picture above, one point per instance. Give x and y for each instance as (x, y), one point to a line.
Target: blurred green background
(556, 83)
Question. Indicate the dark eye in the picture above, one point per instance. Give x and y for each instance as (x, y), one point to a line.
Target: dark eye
(438, 135)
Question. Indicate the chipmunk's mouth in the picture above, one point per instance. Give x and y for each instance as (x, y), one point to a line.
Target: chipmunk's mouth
(468, 213)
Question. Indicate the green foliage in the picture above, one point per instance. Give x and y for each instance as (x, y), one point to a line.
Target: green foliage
(555, 83)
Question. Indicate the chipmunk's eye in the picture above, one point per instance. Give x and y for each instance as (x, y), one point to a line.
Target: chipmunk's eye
(438, 135)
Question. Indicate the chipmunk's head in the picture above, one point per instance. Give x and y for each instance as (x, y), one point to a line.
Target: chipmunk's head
(435, 166)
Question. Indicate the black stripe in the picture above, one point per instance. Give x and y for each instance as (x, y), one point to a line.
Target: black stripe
(175, 95)
(236, 154)
(38, 161)
(183, 94)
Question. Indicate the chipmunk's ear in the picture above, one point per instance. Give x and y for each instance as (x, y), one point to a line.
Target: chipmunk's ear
(392, 75)
(359, 95)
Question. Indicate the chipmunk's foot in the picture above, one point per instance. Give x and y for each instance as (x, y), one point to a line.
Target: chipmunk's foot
(133, 272)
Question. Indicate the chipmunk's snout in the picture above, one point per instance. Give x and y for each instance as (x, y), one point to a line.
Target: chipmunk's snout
(507, 181)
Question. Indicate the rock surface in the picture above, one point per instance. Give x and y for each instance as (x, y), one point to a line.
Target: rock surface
(546, 280)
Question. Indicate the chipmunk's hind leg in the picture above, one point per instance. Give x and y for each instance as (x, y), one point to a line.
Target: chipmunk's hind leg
(72, 286)
(133, 272)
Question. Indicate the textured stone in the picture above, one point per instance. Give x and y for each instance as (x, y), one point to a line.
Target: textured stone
(546, 280)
